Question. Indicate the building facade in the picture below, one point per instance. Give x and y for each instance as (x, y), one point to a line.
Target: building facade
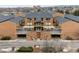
(39, 25)
(8, 29)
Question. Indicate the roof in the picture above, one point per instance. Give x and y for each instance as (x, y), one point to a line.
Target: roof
(72, 17)
(38, 15)
(67, 17)
(16, 19)
(5, 18)
(60, 19)
(12, 18)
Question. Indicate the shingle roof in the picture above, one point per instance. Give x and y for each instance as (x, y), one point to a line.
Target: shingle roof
(67, 17)
(16, 19)
(5, 18)
(72, 17)
(38, 15)
(61, 20)
(12, 18)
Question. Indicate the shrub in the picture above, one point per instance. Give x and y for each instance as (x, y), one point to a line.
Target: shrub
(6, 38)
(25, 49)
(69, 38)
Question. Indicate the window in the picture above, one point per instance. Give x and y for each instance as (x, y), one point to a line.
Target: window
(38, 24)
(38, 28)
(48, 24)
(47, 18)
(47, 29)
(29, 29)
(29, 18)
(42, 19)
(30, 24)
(34, 18)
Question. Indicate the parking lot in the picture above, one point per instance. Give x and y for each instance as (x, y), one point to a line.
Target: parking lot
(18, 43)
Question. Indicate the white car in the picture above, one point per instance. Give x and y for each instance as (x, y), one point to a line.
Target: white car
(6, 49)
(67, 49)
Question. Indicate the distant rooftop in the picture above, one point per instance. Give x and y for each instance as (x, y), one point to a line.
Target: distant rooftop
(67, 17)
(61, 20)
(12, 18)
(38, 16)
(72, 17)
(5, 18)
(16, 19)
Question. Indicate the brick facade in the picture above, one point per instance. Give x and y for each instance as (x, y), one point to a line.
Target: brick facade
(8, 29)
(71, 29)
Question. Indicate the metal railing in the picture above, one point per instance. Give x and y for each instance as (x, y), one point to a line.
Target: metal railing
(56, 31)
(21, 31)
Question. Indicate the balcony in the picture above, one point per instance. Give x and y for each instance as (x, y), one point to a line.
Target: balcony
(56, 31)
(38, 24)
(21, 31)
(28, 28)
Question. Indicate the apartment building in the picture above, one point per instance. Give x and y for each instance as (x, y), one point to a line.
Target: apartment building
(69, 26)
(9, 25)
(7, 28)
(39, 25)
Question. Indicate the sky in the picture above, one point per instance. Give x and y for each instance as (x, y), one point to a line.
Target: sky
(5, 6)
(30, 3)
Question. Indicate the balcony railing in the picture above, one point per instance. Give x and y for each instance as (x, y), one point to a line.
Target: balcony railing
(56, 31)
(21, 31)
(38, 25)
